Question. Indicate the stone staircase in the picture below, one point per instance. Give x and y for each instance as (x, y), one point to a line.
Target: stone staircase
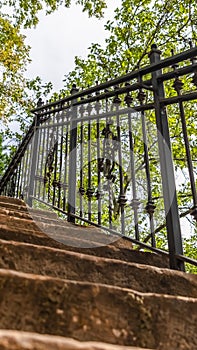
(61, 288)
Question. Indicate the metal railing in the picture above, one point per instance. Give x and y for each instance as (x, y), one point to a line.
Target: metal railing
(120, 155)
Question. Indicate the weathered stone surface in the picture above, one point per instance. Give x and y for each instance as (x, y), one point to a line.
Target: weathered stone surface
(82, 267)
(82, 303)
(60, 230)
(17, 224)
(13, 340)
(86, 311)
(110, 251)
(23, 212)
(11, 200)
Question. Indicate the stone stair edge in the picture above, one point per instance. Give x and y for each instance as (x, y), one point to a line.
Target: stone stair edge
(41, 233)
(56, 225)
(43, 222)
(74, 253)
(94, 258)
(36, 237)
(18, 205)
(7, 199)
(90, 312)
(15, 209)
(20, 340)
(35, 277)
(128, 244)
(75, 266)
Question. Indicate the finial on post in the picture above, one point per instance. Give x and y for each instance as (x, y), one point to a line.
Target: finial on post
(154, 54)
(74, 89)
(153, 46)
(40, 102)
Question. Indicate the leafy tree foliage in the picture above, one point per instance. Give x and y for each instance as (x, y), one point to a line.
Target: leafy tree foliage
(26, 12)
(136, 25)
(4, 156)
(15, 90)
(13, 58)
(17, 94)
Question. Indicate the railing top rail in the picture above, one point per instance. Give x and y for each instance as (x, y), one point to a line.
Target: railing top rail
(188, 54)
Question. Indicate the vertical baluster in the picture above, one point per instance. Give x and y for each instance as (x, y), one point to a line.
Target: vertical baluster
(56, 163)
(106, 162)
(46, 149)
(99, 192)
(65, 170)
(60, 162)
(33, 165)
(43, 152)
(178, 85)
(13, 186)
(72, 160)
(81, 187)
(37, 173)
(150, 207)
(89, 191)
(122, 199)
(23, 174)
(18, 178)
(135, 202)
(34, 154)
(50, 157)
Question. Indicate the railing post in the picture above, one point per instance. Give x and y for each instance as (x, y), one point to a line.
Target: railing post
(34, 157)
(167, 169)
(72, 160)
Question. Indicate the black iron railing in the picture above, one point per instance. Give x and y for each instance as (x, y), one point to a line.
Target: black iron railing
(120, 155)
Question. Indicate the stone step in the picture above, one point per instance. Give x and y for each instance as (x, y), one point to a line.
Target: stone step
(85, 311)
(48, 222)
(15, 340)
(58, 229)
(81, 237)
(17, 205)
(20, 207)
(110, 251)
(82, 267)
(61, 230)
(18, 222)
(24, 212)
(69, 234)
(11, 200)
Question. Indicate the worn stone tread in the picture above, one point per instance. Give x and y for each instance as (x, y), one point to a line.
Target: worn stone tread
(111, 251)
(86, 311)
(21, 227)
(15, 340)
(23, 212)
(60, 230)
(17, 205)
(77, 266)
(11, 200)
(13, 208)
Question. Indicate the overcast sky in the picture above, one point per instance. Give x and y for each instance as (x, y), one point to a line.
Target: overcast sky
(61, 36)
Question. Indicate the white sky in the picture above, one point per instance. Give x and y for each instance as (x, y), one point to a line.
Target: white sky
(61, 36)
